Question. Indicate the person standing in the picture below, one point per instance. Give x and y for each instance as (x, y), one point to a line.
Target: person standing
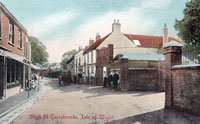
(105, 79)
(115, 80)
(110, 79)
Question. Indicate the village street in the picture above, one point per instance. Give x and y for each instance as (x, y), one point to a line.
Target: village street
(102, 105)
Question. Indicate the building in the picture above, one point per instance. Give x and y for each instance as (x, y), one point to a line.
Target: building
(15, 53)
(126, 44)
(79, 62)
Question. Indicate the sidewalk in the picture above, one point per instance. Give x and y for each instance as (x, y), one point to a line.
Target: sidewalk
(12, 101)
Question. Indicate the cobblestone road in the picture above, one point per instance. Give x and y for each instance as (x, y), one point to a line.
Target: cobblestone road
(84, 104)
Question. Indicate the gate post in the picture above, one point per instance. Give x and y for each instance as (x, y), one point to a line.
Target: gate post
(124, 71)
(173, 56)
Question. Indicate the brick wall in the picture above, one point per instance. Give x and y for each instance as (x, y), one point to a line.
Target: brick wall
(182, 83)
(143, 79)
(104, 58)
(186, 89)
(5, 37)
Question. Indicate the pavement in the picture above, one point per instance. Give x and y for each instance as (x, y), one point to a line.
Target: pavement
(86, 104)
(14, 103)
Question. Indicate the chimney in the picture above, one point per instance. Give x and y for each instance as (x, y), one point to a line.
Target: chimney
(86, 47)
(80, 48)
(91, 41)
(165, 34)
(98, 37)
(116, 26)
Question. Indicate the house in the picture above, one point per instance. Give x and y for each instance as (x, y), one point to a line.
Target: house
(15, 53)
(90, 59)
(79, 62)
(125, 44)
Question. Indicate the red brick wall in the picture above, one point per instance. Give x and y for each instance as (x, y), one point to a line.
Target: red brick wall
(186, 89)
(161, 75)
(104, 57)
(5, 37)
(143, 79)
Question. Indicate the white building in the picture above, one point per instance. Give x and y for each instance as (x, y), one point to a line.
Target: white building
(123, 44)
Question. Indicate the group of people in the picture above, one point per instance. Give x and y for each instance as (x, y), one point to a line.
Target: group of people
(111, 79)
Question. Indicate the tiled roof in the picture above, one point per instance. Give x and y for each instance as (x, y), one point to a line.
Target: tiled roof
(149, 41)
(96, 44)
(145, 41)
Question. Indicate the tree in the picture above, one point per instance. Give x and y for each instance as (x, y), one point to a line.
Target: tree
(189, 26)
(66, 56)
(38, 51)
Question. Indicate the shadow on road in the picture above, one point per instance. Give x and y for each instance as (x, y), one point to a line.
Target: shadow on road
(96, 91)
(163, 116)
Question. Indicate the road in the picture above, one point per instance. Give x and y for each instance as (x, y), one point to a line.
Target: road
(85, 104)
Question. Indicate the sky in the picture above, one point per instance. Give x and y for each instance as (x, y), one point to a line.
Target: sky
(63, 25)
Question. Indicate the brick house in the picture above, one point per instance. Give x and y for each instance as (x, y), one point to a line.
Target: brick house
(127, 44)
(15, 52)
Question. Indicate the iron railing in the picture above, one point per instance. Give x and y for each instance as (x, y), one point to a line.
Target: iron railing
(190, 57)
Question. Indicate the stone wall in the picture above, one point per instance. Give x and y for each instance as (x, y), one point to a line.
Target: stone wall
(186, 89)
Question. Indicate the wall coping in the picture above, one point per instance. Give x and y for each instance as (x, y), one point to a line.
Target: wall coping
(142, 68)
(186, 66)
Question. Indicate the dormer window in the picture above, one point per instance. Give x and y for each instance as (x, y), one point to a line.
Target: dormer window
(11, 33)
(19, 39)
(137, 42)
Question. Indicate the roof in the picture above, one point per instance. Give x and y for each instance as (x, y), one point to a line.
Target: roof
(70, 59)
(144, 40)
(149, 41)
(96, 44)
(172, 43)
(144, 57)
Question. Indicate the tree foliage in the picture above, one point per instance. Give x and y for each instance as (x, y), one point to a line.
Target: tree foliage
(189, 26)
(66, 56)
(38, 51)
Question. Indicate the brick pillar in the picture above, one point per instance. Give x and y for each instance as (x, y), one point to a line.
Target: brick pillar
(124, 71)
(173, 56)
(3, 76)
(110, 51)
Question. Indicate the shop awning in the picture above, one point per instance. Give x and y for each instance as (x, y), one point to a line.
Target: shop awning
(14, 56)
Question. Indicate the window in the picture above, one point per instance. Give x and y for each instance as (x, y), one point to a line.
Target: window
(20, 39)
(11, 33)
(137, 42)
(84, 58)
(88, 58)
(92, 57)
(92, 69)
(79, 61)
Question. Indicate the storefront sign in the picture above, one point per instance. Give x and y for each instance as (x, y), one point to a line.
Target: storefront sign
(15, 57)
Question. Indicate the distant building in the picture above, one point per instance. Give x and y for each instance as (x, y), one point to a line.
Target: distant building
(124, 44)
(15, 52)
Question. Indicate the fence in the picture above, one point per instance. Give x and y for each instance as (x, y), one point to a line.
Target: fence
(190, 57)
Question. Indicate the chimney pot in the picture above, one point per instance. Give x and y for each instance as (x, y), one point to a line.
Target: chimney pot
(116, 27)
(98, 37)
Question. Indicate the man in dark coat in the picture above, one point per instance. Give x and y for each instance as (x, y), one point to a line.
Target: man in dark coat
(110, 79)
(115, 80)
